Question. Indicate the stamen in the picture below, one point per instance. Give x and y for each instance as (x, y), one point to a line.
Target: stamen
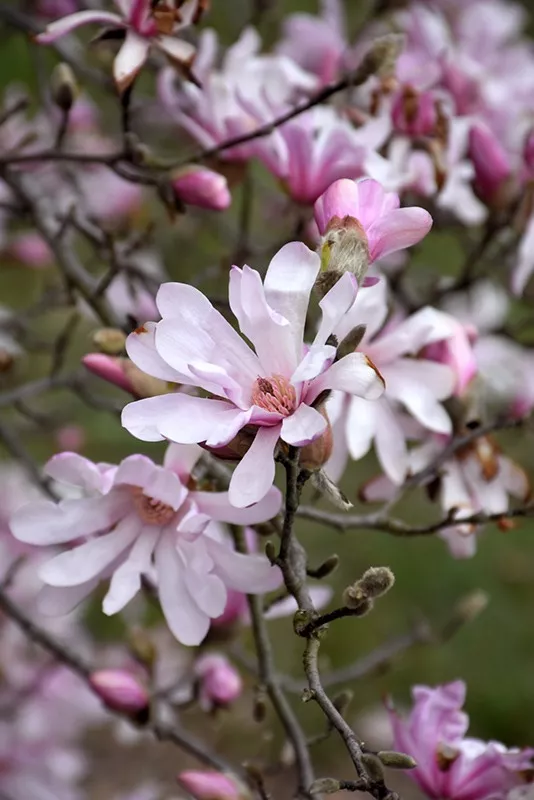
(274, 394)
(151, 511)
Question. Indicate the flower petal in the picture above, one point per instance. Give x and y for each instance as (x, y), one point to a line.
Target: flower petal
(361, 426)
(244, 573)
(181, 458)
(254, 475)
(314, 363)
(55, 601)
(303, 426)
(126, 580)
(91, 558)
(177, 50)
(141, 348)
(335, 304)
(354, 374)
(178, 417)
(67, 24)
(185, 619)
(75, 470)
(130, 59)
(420, 385)
(217, 506)
(397, 230)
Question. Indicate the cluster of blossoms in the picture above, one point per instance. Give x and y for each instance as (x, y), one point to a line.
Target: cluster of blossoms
(332, 350)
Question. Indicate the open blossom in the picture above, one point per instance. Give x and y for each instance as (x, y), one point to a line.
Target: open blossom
(146, 24)
(138, 519)
(450, 765)
(250, 88)
(414, 385)
(269, 392)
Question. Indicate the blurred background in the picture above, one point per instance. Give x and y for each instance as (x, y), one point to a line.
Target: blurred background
(494, 653)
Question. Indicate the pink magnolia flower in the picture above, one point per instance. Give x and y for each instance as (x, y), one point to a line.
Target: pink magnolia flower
(270, 392)
(120, 690)
(491, 162)
(212, 785)
(450, 765)
(138, 519)
(249, 89)
(417, 385)
(146, 24)
(317, 43)
(385, 228)
(199, 186)
(219, 681)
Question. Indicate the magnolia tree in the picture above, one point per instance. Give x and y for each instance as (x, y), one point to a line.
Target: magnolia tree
(342, 337)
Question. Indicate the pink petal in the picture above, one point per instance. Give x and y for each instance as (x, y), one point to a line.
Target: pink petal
(126, 580)
(185, 619)
(178, 417)
(73, 21)
(361, 425)
(244, 573)
(339, 200)
(55, 602)
(177, 49)
(254, 475)
(314, 363)
(335, 304)
(91, 558)
(181, 458)
(353, 374)
(397, 230)
(165, 486)
(303, 426)
(75, 470)
(217, 506)
(130, 59)
(420, 386)
(45, 523)
(135, 470)
(390, 442)
(141, 348)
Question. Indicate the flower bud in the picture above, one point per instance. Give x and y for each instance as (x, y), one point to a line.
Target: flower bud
(199, 186)
(356, 601)
(121, 691)
(373, 767)
(212, 785)
(63, 87)
(219, 682)
(492, 166)
(325, 786)
(344, 248)
(376, 581)
(414, 113)
(326, 487)
(71, 438)
(394, 760)
(235, 610)
(31, 249)
(110, 341)
(457, 352)
(109, 368)
(528, 154)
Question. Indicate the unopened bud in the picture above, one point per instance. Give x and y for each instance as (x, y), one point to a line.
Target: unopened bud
(344, 248)
(143, 385)
(381, 58)
(394, 760)
(63, 87)
(373, 767)
(342, 701)
(357, 602)
(202, 187)
(376, 581)
(414, 113)
(270, 552)
(328, 489)
(121, 691)
(325, 786)
(109, 368)
(326, 568)
(110, 341)
(212, 785)
(219, 681)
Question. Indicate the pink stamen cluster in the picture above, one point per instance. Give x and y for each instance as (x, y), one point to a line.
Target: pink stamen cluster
(275, 394)
(152, 511)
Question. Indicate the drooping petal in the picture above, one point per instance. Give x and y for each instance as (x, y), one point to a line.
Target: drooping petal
(178, 417)
(91, 558)
(181, 458)
(354, 374)
(207, 589)
(126, 580)
(141, 348)
(361, 426)
(254, 475)
(244, 573)
(67, 24)
(303, 426)
(314, 363)
(185, 619)
(45, 522)
(177, 50)
(74, 469)
(397, 230)
(217, 506)
(130, 59)
(390, 442)
(420, 386)
(335, 304)
(288, 284)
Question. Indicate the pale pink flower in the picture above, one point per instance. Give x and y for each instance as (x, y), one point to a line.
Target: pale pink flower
(212, 785)
(414, 385)
(219, 681)
(199, 186)
(317, 43)
(145, 25)
(249, 89)
(270, 392)
(385, 228)
(138, 519)
(450, 765)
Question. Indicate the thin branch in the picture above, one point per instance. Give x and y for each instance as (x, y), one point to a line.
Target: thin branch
(16, 449)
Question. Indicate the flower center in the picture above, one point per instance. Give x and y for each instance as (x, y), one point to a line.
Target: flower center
(274, 394)
(151, 511)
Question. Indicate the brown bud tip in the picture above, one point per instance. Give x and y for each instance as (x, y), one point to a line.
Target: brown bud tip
(63, 87)
(376, 581)
(394, 760)
(373, 767)
(325, 786)
(110, 341)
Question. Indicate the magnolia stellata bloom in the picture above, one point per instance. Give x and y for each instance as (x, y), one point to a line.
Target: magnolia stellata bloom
(417, 385)
(477, 478)
(138, 519)
(146, 24)
(451, 766)
(270, 392)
